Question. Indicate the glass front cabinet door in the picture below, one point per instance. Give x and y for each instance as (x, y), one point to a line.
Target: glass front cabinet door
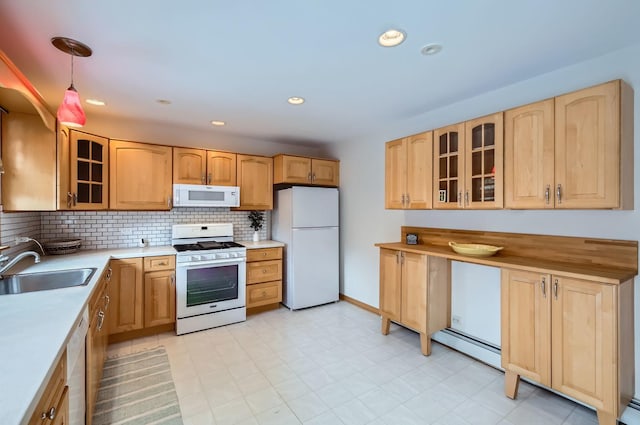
(83, 158)
(468, 164)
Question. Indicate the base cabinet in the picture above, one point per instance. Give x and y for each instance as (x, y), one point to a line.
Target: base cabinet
(415, 292)
(264, 277)
(53, 407)
(143, 296)
(566, 334)
(97, 340)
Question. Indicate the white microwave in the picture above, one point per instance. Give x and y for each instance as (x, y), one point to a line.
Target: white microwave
(195, 195)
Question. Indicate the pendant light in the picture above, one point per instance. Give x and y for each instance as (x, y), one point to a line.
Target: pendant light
(70, 112)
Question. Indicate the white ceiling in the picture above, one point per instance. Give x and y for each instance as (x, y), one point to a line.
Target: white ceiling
(239, 61)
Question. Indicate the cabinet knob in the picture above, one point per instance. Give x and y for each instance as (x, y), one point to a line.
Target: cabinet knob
(264, 271)
(264, 254)
(51, 414)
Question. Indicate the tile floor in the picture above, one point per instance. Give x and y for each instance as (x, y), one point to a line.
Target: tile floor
(330, 365)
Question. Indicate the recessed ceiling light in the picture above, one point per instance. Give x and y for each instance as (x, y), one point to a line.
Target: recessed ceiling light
(391, 38)
(295, 100)
(218, 123)
(163, 101)
(95, 102)
(431, 49)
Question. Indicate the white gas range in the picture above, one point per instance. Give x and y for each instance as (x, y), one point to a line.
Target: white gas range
(210, 276)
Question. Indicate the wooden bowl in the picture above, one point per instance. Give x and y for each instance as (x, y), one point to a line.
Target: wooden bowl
(475, 249)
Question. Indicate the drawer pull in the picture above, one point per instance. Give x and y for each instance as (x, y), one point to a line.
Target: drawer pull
(264, 254)
(264, 270)
(51, 414)
(162, 263)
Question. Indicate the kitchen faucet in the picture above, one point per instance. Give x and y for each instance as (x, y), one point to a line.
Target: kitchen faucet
(14, 260)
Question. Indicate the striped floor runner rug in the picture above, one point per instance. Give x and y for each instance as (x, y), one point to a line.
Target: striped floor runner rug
(137, 389)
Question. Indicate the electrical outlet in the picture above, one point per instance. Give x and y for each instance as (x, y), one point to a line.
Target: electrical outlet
(456, 320)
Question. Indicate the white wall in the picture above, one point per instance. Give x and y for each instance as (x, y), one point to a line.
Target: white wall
(365, 221)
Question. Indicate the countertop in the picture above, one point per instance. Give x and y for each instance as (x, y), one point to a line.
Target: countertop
(37, 325)
(579, 271)
(261, 244)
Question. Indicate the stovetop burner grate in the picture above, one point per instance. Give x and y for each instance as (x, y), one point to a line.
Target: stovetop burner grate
(209, 245)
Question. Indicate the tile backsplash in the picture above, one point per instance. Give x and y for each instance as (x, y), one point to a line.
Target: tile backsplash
(121, 229)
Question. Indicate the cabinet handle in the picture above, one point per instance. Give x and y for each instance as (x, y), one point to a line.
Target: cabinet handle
(466, 198)
(309, 176)
(543, 284)
(559, 193)
(69, 199)
(100, 320)
(403, 197)
(547, 193)
(313, 177)
(401, 258)
(107, 302)
(109, 273)
(555, 288)
(169, 201)
(203, 179)
(460, 198)
(397, 257)
(51, 414)
(172, 279)
(264, 254)
(75, 199)
(209, 178)
(408, 200)
(264, 271)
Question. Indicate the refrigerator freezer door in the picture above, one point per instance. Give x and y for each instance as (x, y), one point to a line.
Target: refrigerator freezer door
(313, 272)
(314, 207)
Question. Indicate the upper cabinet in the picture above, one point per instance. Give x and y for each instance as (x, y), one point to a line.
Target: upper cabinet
(571, 152)
(255, 179)
(28, 156)
(448, 167)
(140, 176)
(407, 172)
(83, 164)
(199, 166)
(306, 171)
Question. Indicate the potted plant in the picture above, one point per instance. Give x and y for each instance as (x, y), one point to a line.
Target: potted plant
(257, 218)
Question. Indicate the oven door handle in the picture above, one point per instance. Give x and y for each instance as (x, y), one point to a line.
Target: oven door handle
(201, 264)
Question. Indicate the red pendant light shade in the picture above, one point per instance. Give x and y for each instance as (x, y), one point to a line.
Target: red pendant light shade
(70, 112)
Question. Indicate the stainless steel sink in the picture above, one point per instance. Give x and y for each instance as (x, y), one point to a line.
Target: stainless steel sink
(43, 281)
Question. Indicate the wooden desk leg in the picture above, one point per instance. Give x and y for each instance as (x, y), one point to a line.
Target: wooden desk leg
(511, 382)
(425, 344)
(386, 323)
(606, 418)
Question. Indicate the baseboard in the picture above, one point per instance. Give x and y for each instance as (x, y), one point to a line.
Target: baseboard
(369, 308)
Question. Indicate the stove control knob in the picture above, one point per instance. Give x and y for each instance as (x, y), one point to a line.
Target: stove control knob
(234, 254)
(209, 257)
(196, 258)
(223, 255)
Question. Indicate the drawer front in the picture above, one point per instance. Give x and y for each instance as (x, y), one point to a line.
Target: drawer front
(264, 293)
(264, 271)
(164, 262)
(263, 254)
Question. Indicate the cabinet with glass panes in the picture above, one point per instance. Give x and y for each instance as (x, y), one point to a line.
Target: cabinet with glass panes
(83, 163)
(468, 164)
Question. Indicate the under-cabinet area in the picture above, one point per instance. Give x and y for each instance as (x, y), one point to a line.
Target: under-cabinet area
(566, 307)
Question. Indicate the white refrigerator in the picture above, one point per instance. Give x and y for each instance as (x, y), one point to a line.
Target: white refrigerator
(306, 220)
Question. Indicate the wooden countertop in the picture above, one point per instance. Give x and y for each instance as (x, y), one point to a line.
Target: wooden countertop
(592, 272)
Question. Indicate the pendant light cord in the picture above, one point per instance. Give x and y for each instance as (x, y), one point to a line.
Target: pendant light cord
(72, 55)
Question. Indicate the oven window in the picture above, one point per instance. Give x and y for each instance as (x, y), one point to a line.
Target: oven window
(212, 284)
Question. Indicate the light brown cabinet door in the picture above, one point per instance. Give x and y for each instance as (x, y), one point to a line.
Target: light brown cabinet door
(395, 172)
(414, 291)
(221, 168)
(159, 298)
(587, 154)
(448, 167)
(189, 166)
(88, 168)
(140, 176)
(390, 284)
(255, 179)
(419, 178)
(584, 342)
(484, 142)
(529, 156)
(126, 306)
(325, 172)
(29, 158)
(292, 169)
(526, 324)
